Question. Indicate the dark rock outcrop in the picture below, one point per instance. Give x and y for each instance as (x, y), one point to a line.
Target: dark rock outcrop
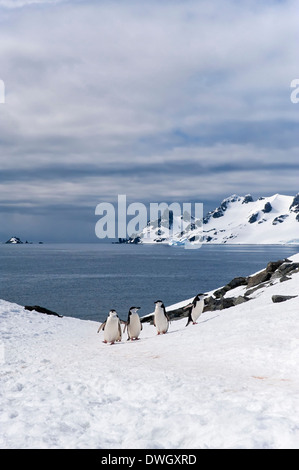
(247, 198)
(267, 208)
(236, 282)
(219, 211)
(212, 303)
(282, 298)
(273, 265)
(275, 270)
(264, 275)
(294, 207)
(279, 219)
(39, 309)
(258, 278)
(253, 218)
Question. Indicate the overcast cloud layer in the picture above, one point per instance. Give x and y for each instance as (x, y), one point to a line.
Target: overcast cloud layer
(161, 101)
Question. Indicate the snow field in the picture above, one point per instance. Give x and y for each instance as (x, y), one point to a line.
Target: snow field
(231, 381)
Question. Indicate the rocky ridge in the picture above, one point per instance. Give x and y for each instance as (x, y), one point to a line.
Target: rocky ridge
(275, 271)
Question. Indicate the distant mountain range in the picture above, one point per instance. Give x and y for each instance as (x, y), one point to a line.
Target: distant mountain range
(238, 220)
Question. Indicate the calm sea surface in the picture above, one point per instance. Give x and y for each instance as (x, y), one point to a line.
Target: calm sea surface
(87, 280)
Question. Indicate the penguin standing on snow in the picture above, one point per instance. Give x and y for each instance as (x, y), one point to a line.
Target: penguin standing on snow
(112, 328)
(133, 324)
(161, 319)
(195, 308)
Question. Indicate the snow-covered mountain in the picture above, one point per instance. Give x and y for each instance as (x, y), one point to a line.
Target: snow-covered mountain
(165, 228)
(238, 220)
(14, 241)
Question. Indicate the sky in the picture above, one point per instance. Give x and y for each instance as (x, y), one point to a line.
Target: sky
(173, 101)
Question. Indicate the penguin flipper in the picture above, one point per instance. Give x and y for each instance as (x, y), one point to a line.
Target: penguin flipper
(189, 317)
(101, 327)
(187, 306)
(119, 330)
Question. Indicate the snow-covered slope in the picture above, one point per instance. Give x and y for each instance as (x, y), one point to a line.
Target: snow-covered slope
(239, 220)
(166, 228)
(231, 381)
(269, 220)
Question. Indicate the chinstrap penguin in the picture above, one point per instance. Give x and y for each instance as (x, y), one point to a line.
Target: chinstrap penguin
(112, 328)
(133, 324)
(195, 308)
(161, 319)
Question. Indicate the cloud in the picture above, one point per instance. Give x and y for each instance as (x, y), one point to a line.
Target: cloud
(13, 4)
(166, 100)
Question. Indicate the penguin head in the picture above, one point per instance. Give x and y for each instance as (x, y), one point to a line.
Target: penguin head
(159, 304)
(133, 310)
(112, 313)
(199, 297)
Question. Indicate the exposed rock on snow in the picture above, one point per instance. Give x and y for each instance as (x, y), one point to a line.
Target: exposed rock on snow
(274, 272)
(294, 207)
(219, 300)
(236, 282)
(282, 298)
(39, 309)
(267, 208)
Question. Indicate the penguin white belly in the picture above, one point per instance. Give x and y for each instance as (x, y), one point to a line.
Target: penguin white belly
(161, 322)
(111, 331)
(134, 326)
(197, 310)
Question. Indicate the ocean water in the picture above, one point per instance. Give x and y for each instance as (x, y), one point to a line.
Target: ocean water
(87, 280)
